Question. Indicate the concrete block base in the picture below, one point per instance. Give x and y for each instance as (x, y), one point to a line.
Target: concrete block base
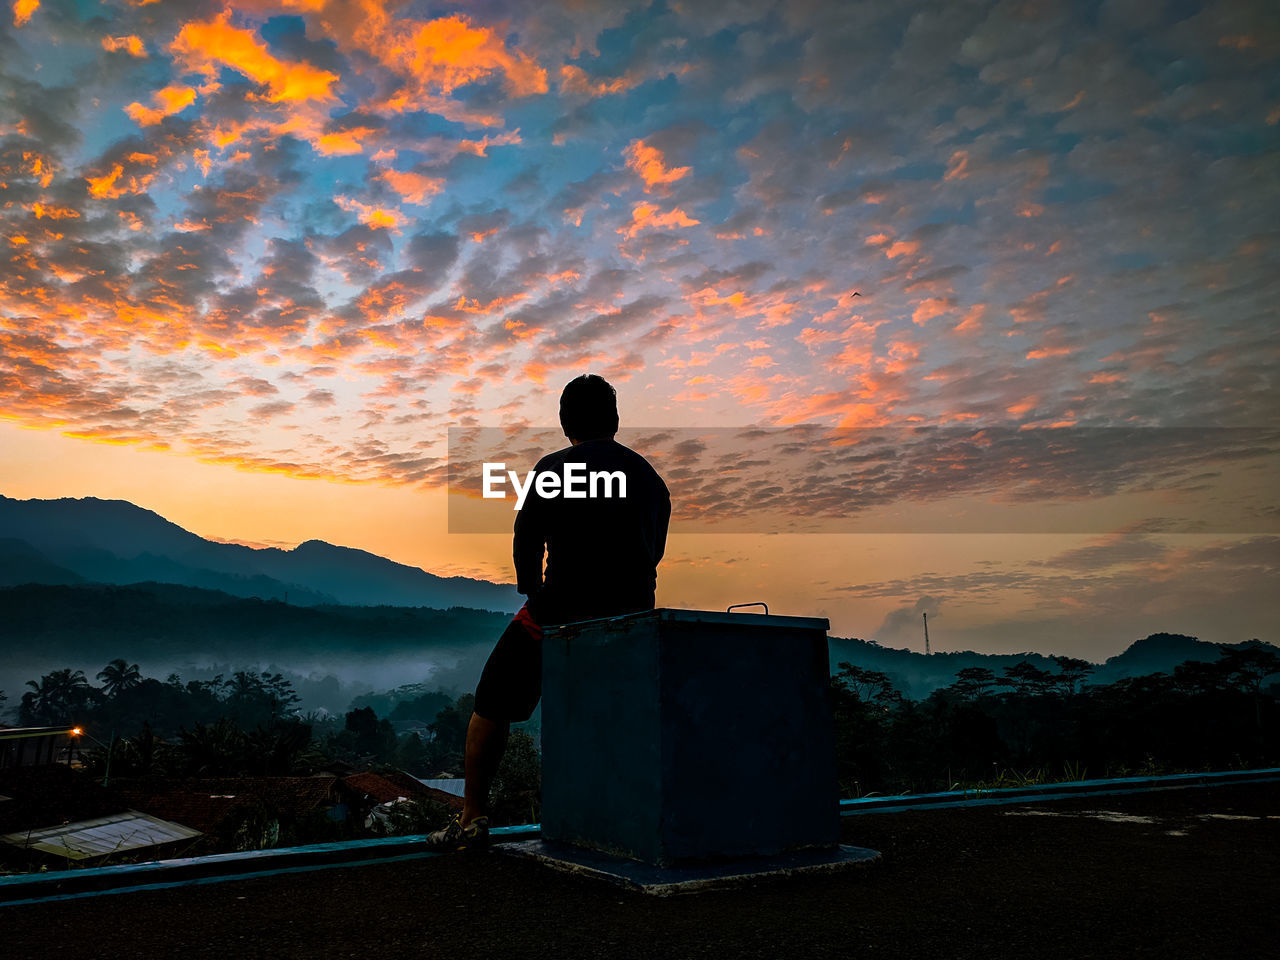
(664, 882)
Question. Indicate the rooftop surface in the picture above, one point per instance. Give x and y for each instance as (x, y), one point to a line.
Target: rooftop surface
(1184, 873)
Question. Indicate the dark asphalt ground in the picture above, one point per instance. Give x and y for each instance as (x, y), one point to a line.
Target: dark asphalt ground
(988, 883)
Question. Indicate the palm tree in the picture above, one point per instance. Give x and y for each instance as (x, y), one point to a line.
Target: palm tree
(117, 677)
(56, 695)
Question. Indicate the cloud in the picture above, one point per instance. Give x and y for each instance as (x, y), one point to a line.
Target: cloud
(131, 44)
(904, 627)
(371, 204)
(649, 164)
(206, 46)
(22, 11)
(169, 100)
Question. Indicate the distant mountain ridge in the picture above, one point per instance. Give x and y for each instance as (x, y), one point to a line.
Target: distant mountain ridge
(918, 675)
(115, 541)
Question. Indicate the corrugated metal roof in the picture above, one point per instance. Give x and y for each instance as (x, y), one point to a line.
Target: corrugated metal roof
(453, 785)
(95, 838)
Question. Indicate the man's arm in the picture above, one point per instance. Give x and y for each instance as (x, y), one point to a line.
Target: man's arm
(527, 543)
(663, 519)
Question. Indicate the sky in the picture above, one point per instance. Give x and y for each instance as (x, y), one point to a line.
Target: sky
(980, 296)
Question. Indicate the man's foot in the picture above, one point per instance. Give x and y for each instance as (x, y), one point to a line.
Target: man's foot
(454, 837)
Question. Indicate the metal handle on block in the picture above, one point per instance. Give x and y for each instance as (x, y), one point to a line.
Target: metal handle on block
(757, 603)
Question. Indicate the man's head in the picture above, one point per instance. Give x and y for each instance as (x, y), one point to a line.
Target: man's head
(589, 408)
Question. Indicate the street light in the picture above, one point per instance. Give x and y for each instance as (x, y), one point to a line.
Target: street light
(106, 776)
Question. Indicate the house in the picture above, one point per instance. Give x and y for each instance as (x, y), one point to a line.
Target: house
(381, 792)
(34, 746)
(54, 813)
(250, 813)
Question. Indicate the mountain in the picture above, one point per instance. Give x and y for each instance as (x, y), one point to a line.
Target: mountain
(1158, 653)
(114, 541)
(167, 627)
(918, 675)
(22, 563)
(148, 621)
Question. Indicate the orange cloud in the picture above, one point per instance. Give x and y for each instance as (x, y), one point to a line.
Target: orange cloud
(901, 247)
(1040, 353)
(202, 161)
(575, 80)
(1106, 376)
(480, 148)
(971, 322)
(38, 165)
(23, 9)
(202, 47)
(435, 57)
(646, 215)
(131, 45)
(51, 211)
(344, 142)
(448, 53)
(116, 184)
(958, 168)
(1238, 41)
(930, 308)
(413, 187)
(168, 101)
(375, 217)
(651, 166)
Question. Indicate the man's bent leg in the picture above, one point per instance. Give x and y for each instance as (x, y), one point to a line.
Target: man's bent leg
(486, 742)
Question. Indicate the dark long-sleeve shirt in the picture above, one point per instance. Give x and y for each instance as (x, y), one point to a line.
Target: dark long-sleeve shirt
(602, 553)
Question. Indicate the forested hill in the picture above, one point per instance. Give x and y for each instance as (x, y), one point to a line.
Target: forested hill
(115, 541)
(917, 675)
(92, 623)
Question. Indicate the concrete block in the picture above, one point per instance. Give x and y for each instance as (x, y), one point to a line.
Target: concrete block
(674, 737)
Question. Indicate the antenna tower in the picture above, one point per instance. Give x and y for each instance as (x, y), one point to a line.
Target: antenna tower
(926, 633)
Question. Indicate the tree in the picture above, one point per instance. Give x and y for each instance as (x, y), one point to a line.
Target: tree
(272, 752)
(449, 732)
(373, 739)
(866, 685)
(279, 693)
(972, 682)
(1028, 680)
(56, 698)
(1070, 672)
(117, 677)
(214, 750)
(1247, 668)
(1196, 678)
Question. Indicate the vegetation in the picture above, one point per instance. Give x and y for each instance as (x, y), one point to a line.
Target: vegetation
(245, 724)
(1031, 725)
(1026, 724)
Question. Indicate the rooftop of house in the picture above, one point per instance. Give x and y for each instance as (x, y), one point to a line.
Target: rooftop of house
(1169, 874)
(389, 786)
(51, 794)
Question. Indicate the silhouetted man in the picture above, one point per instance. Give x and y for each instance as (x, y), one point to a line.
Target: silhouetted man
(603, 528)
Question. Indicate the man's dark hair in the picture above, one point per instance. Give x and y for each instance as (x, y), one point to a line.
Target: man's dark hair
(589, 408)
